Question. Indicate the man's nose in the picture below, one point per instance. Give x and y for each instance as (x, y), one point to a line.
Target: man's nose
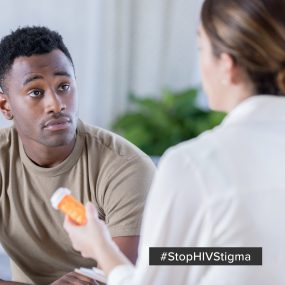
(54, 102)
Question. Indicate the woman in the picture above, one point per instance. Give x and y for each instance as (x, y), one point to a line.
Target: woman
(225, 188)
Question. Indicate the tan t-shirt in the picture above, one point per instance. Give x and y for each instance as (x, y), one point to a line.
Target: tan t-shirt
(103, 168)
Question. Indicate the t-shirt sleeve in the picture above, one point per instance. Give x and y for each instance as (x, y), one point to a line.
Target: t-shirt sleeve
(126, 191)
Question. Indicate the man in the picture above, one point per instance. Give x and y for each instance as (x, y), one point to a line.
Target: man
(48, 147)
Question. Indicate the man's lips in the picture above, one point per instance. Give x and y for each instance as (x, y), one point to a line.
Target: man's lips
(57, 124)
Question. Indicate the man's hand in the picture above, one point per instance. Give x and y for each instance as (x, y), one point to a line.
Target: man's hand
(74, 278)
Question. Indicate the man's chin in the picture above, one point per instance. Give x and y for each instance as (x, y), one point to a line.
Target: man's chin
(59, 141)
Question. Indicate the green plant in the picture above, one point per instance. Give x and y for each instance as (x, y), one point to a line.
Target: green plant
(155, 125)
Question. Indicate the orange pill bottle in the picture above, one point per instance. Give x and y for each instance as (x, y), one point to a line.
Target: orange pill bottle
(63, 200)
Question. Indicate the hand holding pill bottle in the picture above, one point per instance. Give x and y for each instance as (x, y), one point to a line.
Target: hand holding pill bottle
(63, 200)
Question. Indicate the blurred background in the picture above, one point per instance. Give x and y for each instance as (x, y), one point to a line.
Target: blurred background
(118, 47)
(133, 59)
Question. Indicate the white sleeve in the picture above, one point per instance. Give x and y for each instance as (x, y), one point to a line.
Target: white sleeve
(174, 217)
(121, 274)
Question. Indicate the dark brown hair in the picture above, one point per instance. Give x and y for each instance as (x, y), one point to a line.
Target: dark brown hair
(253, 33)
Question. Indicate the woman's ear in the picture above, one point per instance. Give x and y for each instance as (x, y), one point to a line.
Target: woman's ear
(5, 106)
(228, 69)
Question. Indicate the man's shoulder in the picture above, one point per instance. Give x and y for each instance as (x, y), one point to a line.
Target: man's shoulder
(6, 136)
(5, 131)
(108, 142)
(8, 146)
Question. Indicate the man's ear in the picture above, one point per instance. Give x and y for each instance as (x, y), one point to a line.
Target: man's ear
(5, 106)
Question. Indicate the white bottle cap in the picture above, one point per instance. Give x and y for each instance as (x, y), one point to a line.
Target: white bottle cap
(58, 196)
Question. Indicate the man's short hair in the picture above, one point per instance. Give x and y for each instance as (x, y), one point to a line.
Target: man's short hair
(28, 41)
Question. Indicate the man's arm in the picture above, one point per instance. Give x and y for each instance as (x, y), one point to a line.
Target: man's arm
(124, 199)
(3, 282)
(129, 246)
(70, 278)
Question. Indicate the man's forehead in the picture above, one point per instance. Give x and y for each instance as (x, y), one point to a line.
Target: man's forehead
(54, 61)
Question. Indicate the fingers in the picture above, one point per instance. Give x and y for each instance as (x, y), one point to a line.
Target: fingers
(91, 212)
(67, 223)
(82, 280)
(74, 278)
(81, 277)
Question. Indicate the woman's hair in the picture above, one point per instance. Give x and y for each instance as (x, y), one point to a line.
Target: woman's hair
(252, 32)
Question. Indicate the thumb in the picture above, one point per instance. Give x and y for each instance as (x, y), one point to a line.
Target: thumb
(91, 212)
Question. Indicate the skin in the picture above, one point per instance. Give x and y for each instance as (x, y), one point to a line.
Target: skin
(226, 85)
(40, 93)
(93, 240)
(224, 82)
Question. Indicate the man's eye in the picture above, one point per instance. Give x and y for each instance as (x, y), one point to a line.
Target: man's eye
(64, 87)
(35, 93)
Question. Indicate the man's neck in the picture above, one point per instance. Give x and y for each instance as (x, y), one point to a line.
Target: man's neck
(47, 157)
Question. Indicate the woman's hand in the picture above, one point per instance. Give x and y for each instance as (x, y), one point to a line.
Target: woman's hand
(93, 240)
(89, 239)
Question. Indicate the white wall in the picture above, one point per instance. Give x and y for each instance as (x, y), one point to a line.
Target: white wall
(164, 46)
(117, 46)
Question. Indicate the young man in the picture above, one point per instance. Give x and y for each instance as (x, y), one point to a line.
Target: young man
(49, 147)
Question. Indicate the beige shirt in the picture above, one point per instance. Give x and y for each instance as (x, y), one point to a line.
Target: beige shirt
(103, 168)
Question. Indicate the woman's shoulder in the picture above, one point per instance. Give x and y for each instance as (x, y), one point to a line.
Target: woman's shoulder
(201, 146)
